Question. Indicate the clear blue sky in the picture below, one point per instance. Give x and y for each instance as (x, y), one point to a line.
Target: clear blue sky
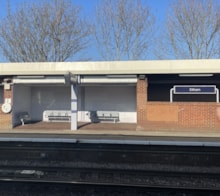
(88, 8)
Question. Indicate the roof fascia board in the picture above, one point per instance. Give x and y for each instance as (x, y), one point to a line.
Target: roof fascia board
(112, 67)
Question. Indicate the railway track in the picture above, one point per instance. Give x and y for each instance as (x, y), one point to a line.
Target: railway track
(191, 168)
(112, 177)
(188, 155)
(42, 188)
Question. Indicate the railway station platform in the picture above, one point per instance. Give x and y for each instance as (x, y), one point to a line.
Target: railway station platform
(109, 129)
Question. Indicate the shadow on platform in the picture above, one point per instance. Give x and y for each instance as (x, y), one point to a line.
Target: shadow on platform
(81, 126)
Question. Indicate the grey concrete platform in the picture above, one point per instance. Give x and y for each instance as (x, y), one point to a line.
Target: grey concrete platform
(109, 133)
(177, 138)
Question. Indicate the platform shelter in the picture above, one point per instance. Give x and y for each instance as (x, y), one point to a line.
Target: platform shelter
(174, 94)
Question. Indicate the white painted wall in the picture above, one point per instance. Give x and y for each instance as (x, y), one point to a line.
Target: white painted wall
(49, 98)
(108, 98)
(21, 102)
(37, 99)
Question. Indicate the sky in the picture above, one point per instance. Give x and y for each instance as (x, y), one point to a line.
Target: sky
(88, 6)
(158, 7)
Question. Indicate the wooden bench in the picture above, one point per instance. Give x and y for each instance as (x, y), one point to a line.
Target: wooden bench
(97, 116)
(57, 115)
(24, 117)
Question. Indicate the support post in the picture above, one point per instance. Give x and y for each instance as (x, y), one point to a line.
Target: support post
(217, 95)
(74, 112)
(171, 95)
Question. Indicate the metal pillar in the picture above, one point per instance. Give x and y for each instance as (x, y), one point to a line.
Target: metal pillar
(74, 92)
(171, 95)
(217, 95)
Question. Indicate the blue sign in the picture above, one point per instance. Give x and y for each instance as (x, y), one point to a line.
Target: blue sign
(195, 89)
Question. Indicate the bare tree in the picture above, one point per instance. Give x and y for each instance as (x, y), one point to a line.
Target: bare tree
(45, 31)
(193, 29)
(124, 29)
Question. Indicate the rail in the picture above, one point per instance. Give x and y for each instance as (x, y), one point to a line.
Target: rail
(124, 165)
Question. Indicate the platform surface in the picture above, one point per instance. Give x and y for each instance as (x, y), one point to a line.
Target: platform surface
(110, 133)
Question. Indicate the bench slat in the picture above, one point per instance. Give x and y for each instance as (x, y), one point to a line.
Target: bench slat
(104, 115)
(57, 115)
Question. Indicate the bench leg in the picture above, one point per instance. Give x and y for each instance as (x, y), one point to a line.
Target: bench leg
(22, 122)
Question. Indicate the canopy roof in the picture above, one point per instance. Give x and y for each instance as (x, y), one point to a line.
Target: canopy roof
(112, 67)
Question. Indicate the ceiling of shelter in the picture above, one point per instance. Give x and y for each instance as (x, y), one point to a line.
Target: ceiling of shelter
(176, 79)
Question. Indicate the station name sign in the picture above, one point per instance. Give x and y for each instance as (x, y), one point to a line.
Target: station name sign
(195, 89)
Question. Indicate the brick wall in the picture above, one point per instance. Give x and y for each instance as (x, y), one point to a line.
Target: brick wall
(141, 101)
(199, 115)
(177, 115)
(6, 119)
